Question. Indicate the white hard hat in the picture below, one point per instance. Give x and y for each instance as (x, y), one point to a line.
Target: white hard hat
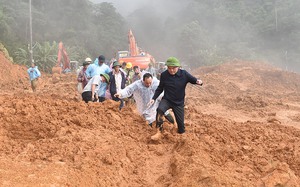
(88, 60)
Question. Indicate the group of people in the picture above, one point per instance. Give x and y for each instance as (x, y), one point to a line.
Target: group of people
(154, 92)
(153, 97)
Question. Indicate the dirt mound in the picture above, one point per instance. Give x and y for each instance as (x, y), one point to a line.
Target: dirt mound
(12, 76)
(241, 131)
(249, 90)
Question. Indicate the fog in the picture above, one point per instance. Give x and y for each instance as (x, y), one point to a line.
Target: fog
(198, 32)
(163, 7)
(151, 18)
(242, 39)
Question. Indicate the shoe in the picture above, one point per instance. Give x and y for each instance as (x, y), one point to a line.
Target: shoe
(159, 121)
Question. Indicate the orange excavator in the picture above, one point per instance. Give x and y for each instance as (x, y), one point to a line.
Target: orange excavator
(135, 55)
(63, 61)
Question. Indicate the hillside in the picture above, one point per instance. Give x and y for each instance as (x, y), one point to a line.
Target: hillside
(242, 130)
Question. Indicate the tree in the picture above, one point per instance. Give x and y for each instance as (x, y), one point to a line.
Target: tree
(111, 35)
(45, 55)
(22, 57)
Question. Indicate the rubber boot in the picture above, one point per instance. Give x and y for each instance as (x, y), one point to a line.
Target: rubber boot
(159, 120)
(169, 117)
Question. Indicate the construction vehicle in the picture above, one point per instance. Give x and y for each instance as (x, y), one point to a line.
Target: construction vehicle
(63, 61)
(74, 65)
(135, 55)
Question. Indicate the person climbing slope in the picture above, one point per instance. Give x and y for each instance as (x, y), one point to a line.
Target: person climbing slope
(173, 83)
(142, 91)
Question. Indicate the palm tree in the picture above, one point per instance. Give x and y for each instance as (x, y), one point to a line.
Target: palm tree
(22, 57)
(45, 55)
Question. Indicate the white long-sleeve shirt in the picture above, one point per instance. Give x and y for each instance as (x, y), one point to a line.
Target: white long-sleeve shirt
(94, 80)
(142, 95)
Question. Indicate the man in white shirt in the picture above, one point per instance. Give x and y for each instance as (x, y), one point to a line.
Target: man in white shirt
(89, 92)
(143, 91)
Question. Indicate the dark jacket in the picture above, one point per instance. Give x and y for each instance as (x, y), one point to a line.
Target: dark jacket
(113, 88)
(174, 86)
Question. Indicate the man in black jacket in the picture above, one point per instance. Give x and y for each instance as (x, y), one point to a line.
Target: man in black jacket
(173, 82)
(117, 82)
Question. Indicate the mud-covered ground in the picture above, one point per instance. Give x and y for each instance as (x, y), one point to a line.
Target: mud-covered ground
(242, 130)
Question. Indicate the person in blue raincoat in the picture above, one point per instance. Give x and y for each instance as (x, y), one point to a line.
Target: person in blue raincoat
(34, 75)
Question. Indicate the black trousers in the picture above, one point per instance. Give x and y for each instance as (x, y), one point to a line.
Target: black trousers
(87, 96)
(165, 105)
(121, 102)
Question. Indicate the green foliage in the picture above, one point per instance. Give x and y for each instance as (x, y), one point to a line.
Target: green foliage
(45, 55)
(217, 30)
(22, 57)
(4, 27)
(199, 32)
(110, 27)
(88, 29)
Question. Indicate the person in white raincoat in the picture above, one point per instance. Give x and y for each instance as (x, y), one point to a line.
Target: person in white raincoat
(143, 91)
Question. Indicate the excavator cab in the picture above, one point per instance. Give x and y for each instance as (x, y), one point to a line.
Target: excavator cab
(122, 54)
(74, 65)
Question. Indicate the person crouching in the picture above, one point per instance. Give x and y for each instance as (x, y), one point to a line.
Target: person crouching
(90, 90)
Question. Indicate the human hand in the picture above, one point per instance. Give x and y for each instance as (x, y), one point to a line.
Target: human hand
(199, 82)
(118, 95)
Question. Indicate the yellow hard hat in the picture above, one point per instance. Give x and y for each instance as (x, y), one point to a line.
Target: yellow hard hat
(128, 65)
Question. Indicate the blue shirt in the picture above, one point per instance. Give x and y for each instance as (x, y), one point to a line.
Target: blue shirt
(33, 73)
(174, 86)
(95, 69)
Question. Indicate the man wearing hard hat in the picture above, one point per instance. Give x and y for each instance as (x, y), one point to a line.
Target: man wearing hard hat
(129, 73)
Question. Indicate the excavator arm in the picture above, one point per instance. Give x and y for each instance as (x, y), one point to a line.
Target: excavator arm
(133, 48)
(63, 61)
(135, 55)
